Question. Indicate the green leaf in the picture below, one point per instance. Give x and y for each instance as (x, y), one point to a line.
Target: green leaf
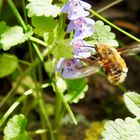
(3, 27)
(132, 101)
(15, 129)
(43, 24)
(49, 66)
(13, 36)
(103, 34)
(56, 36)
(8, 64)
(122, 130)
(63, 49)
(49, 37)
(42, 8)
(76, 90)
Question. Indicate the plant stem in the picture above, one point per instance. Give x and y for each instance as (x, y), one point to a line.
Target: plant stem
(109, 6)
(38, 94)
(65, 103)
(24, 11)
(44, 122)
(18, 101)
(38, 41)
(32, 66)
(39, 54)
(67, 108)
(58, 108)
(114, 26)
(58, 114)
(11, 92)
(33, 39)
(44, 113)
(17, 15)
(122, 87)
(21, 21)
(9, 111)
(1, 4)
(39, 131)
(19, 60)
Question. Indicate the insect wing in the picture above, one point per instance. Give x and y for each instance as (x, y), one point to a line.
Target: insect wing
(88, 70)
(74, 69)
(80, 72)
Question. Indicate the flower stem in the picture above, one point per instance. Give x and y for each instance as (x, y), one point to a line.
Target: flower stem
(58, 109)
(114, 26)
(68, 108)
(58, 116)
(65, 104)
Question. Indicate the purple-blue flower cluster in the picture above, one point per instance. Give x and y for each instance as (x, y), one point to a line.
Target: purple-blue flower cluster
(83, 28)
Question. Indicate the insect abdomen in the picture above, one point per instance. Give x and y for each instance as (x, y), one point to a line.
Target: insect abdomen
(113, 64)
(116, 74)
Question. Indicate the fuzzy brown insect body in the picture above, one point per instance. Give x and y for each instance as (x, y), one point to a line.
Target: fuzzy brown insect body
(113, 64)
(108, 58)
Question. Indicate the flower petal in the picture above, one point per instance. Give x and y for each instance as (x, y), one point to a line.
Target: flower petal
(82, 49)
(83, 32)
(71, 27)
(85, 5)
(89, 21)
(77, 13)
(66, 8)
(68, 68)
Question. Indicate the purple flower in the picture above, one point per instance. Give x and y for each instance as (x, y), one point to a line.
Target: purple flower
(69, 68)
(74, 68)
(76, 9)
(82, 49)
(83, 27)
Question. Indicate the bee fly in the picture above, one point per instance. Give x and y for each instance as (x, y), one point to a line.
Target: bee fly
(112, 63)
(106, 57)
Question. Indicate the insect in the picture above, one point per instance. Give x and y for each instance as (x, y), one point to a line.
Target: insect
(108, 58)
